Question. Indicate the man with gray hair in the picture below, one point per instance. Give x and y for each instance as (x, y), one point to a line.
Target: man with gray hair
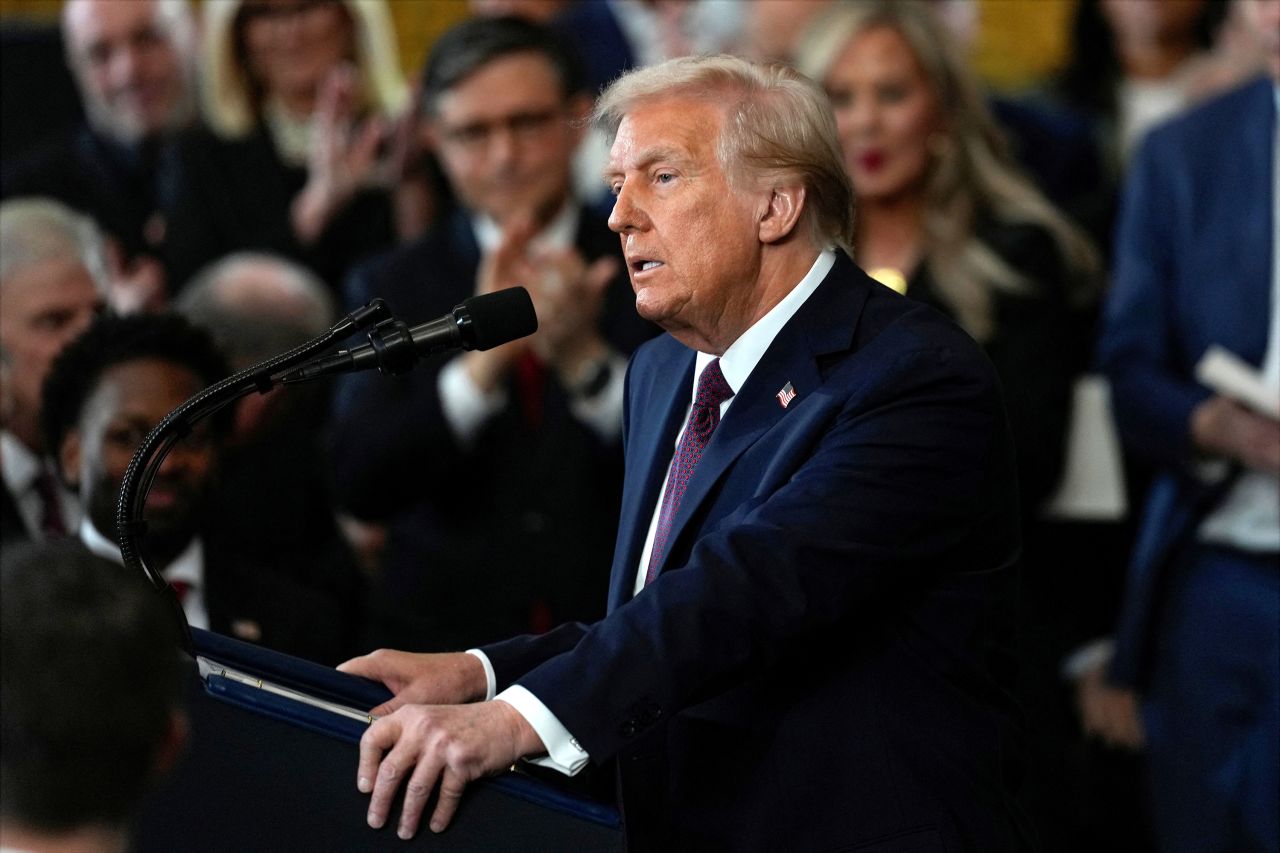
(52, 281)
(812, 589)
(133, 64)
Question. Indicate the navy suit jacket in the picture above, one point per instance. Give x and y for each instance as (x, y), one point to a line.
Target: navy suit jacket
(820, 663)
(1192, 268)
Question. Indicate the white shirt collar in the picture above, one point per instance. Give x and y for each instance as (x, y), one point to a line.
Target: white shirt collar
(187, 567)
(560, 233)
(21, 467)
(745, 353)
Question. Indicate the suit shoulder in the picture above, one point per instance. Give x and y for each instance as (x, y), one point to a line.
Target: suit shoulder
(1203, 127)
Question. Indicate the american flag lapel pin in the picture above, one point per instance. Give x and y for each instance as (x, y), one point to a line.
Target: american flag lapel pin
(786, 395)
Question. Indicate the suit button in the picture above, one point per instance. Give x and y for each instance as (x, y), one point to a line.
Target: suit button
(627, 729)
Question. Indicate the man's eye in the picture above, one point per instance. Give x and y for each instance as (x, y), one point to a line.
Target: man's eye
(664, 177)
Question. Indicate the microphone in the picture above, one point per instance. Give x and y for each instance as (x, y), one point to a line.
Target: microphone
(479, 323)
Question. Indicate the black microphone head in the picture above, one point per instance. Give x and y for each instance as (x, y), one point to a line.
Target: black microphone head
(496, 318)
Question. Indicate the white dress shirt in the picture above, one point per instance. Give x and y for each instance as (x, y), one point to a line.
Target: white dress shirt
(563, 750)
(187, 568)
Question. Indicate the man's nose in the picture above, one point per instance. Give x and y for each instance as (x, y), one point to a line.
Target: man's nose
(626, 214)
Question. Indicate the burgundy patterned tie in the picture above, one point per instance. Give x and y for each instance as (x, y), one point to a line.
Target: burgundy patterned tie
(703, 418)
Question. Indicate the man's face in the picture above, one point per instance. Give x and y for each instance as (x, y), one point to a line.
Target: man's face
(504, 138)
(129, 400)
(128, 67)
(43, 307)
(1263, 19)
(691, 239)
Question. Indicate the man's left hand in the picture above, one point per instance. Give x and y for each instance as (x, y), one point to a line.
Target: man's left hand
(438, 745)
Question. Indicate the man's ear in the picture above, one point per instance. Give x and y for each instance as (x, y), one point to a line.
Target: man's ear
(69, 459)
(782, 213)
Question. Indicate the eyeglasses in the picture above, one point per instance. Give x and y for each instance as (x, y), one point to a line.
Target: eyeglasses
(523, 126)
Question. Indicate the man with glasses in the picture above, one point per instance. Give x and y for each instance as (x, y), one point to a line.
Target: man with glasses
(528, 434)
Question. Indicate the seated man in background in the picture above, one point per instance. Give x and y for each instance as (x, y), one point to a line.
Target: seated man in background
(105, 393)
(91, 683)
(526, 436)
(134, 66)
(52, 283)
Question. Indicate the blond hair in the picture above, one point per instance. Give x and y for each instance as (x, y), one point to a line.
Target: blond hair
(34, 230)
(779, 127)
(232, 100)
(970, 171)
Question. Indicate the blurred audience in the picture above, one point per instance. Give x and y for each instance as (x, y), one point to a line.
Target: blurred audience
(52, 283)
(106, 391)
(1133, 63)
(91, 687)
(522, 439)
(299, 97)
(1197, 267)
(274, 500)
(134, 65)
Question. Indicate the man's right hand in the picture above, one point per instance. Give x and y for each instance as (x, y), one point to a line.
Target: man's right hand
(1223, 427)
(421, 679)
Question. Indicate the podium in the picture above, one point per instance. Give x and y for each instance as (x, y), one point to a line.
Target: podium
(264, 772)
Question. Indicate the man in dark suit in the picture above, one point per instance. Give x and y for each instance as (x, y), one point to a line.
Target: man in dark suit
(525, 436)
(809, 602)
(1197, 266)
(133, 64)
(106, 391)
(52, 283)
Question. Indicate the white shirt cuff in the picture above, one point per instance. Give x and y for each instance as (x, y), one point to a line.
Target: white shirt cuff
(1088, 658)
(603, 412)
(465, 406)
(490, 680)
(563, 751)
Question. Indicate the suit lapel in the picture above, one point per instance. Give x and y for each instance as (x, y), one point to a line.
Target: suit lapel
(665, 392)
(823, 325)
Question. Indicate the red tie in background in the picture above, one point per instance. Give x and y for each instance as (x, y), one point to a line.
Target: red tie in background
(703, 419)
(181, 588)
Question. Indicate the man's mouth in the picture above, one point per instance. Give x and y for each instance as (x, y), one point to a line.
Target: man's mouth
(643, 265)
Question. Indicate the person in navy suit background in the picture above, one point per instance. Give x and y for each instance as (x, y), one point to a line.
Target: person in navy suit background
(809, 650)
(1199, 632)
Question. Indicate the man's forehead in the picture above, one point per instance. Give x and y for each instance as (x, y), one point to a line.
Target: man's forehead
(511, 83)
(672, 129)
(90, 20)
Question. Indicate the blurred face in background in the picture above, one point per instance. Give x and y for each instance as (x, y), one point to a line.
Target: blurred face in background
(129, 400)
(291, 46)
(1153, 21)
(505, 140)
(886, 111)
(130, 62)
(1263, 18)
(43, 307)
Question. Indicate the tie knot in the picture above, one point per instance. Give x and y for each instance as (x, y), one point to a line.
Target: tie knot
(712, 387)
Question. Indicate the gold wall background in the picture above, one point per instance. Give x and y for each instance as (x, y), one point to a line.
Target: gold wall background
(1019, 42)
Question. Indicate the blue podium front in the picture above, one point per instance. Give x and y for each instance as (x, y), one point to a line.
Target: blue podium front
(265, 772)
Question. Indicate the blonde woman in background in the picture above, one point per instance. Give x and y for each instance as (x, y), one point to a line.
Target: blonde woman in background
(299, 97)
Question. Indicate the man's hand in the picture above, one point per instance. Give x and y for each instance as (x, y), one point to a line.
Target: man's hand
(448, 746)
(430, 679)
(1109, 712)
(343, 156)
(569, 294)
(1223, 427)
